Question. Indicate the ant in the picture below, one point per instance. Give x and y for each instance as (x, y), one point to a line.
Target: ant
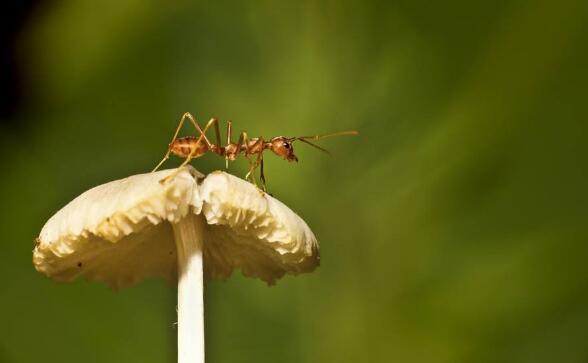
(190, 147)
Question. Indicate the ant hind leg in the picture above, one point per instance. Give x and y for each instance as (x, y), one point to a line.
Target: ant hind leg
(180, 124)
(162, 161)
(192, 119)
(177, 170)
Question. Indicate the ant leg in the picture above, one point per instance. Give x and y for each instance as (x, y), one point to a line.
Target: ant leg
(254, 177)
(180, 124)
(261, 175)
(178, 169)
(218, 148)
(259, 162)
(218, 136)
(210, 122)
(162, 160)
(243, 140)
(229, 131)
(229, 137)
(250, 177)
(254, 164)
(247, 176)
(185, 116)
(202, 132)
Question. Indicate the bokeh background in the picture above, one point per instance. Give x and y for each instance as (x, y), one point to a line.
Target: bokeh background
(452, 229)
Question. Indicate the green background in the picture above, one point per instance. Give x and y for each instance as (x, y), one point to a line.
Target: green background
(452, 229)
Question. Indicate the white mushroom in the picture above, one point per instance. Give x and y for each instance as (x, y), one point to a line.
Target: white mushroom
(129, 229)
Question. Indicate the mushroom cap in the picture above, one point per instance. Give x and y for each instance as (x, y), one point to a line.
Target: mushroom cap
(120, 232)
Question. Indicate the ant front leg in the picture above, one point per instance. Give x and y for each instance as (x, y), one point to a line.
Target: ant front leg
(252, 166)
(250, 176)
(261, 175)
(259, 162)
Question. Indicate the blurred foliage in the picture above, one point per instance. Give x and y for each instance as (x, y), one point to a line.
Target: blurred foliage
(453, 229)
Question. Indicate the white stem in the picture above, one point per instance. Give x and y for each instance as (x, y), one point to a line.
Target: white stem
(188, 234)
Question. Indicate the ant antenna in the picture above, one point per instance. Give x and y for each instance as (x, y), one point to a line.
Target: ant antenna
(324, 136)
(304, 139)
(313, 145)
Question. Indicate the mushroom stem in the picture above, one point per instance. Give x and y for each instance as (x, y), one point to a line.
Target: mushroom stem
(188, 233)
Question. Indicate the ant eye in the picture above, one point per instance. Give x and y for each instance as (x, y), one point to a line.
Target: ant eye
(286, 145)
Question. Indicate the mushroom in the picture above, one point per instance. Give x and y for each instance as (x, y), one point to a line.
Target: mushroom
(126, 230)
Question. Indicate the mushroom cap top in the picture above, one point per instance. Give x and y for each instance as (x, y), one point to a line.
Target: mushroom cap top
(120, 232)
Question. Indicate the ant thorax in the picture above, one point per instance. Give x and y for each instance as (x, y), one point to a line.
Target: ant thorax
(255, 146)
(230, 151)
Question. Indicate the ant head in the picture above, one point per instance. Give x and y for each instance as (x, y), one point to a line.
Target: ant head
(282, 146)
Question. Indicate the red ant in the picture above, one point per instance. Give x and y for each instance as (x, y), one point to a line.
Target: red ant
(190, 147)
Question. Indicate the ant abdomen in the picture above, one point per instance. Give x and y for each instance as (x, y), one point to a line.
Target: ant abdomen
(186, 146)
